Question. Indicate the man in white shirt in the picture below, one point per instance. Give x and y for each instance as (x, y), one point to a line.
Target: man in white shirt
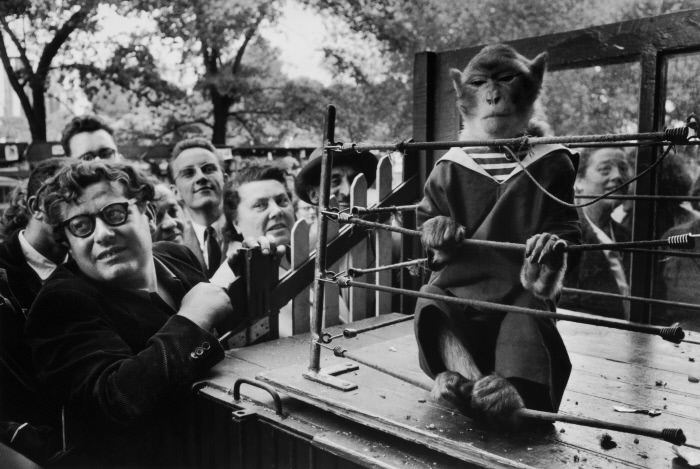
(29, 256)
(196, 171)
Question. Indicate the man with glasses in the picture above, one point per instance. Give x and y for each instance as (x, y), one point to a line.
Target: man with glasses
(121, 331)
(89, 137)
(196, 170)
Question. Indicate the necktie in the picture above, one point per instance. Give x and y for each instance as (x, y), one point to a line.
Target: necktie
(213, 250)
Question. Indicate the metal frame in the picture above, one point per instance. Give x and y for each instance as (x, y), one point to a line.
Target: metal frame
(649, 42)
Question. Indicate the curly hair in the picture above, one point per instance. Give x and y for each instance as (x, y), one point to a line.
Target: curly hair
(17, 214)
(71, 181)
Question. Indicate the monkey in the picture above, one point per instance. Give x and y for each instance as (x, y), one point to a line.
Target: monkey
(489, 364)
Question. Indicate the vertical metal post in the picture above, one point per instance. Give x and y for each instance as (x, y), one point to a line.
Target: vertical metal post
(321, 241)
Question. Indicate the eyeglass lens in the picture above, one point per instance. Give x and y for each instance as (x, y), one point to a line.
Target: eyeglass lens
(102, 153)
(83, 225)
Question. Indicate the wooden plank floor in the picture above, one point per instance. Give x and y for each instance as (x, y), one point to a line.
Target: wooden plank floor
(610, 368)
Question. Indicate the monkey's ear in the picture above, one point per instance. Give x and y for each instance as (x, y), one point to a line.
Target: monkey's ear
(538, 65)
(457, 81)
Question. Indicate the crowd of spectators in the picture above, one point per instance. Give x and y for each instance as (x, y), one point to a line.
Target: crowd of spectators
(110, 281)
(111, 292)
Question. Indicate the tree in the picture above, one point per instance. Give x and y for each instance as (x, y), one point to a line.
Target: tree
(602, 100)
(218, 33)
(42, 19)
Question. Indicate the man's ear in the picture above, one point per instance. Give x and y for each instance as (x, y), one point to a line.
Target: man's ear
(32, 203)
(150, 212)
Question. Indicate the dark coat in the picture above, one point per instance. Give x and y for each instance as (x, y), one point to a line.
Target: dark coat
(190, 240)
(593, 273)
(122, 362)
(23, 281)
(21, 399)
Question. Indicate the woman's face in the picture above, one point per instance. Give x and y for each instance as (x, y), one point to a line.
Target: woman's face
(606, 170)
(265, 209)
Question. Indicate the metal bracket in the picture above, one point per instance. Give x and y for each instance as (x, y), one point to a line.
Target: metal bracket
(328, 375)
(336, 370)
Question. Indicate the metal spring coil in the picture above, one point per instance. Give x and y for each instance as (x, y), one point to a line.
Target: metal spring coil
(677, 134)
(681, 241)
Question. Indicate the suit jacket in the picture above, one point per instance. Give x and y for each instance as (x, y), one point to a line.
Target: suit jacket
(190, 240)
(593, 273)
(23, 281)
(122, 362)
(21, 399)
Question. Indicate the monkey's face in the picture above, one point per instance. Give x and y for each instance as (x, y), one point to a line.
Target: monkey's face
(497, 91)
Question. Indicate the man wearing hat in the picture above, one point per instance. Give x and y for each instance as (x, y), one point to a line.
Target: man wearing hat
(346, 165)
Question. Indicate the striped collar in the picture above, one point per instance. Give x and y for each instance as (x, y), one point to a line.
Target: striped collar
(529, 156)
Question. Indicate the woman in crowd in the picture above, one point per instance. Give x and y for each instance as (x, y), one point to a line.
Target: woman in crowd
(606, 271)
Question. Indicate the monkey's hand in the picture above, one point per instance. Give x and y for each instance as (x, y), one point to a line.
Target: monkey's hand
(455, 389)
(544, 265)
(497, 400)
(440, 236)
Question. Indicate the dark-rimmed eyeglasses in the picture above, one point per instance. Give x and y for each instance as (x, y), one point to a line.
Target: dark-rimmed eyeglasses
(102, 153)
(83, 225)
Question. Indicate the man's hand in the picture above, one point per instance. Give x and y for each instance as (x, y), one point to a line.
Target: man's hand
(440, 236)
(206, 305)
(266, 245)
(545, 249)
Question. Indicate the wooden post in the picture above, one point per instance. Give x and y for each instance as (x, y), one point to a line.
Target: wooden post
(358, 256)
(297, 320)
(382, 247)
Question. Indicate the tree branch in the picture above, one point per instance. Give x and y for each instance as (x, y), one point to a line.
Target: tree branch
(183, 124)
(261, 112)
(244, 124)
(61, 36)
(15, 83)
(18, 44)
(91, 69)
(248, 36)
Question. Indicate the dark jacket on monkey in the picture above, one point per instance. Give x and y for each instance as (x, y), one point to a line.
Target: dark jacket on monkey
(507, 207)
(511, 211)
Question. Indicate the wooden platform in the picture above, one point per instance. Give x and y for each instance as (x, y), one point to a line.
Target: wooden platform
(610, 368)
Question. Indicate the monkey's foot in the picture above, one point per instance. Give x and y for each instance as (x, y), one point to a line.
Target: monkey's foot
(495, 398)
(455, 389)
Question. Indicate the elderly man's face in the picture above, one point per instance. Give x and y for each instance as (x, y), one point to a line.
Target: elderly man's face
(265, 209)
(198, 177)
(121, 254)
(170, 218)
(93, 145)
(341, 179)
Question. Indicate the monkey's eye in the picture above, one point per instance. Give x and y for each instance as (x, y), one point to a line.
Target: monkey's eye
(506, 78)
(477, 82)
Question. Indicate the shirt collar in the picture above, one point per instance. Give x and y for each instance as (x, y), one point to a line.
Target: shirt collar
(39, 264)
